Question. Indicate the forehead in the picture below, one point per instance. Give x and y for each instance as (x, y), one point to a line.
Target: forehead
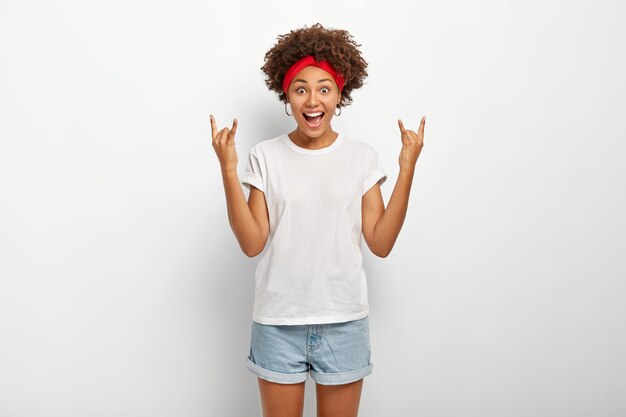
(312, 74)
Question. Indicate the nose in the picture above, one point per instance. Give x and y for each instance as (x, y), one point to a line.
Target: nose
(311, 99)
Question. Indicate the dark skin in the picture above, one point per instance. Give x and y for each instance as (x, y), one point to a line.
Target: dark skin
(250, 222)
(312, 90)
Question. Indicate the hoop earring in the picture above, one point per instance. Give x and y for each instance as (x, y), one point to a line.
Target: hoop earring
(286, 110)
(336, 111)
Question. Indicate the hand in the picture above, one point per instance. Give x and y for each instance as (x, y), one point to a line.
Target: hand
(412, 144)
(224, 144)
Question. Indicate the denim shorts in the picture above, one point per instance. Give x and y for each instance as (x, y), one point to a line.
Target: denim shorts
(334, 353)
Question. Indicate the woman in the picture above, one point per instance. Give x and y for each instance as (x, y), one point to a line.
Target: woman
(313, 192)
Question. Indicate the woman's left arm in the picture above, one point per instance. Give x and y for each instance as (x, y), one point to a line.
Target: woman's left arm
(381, 226)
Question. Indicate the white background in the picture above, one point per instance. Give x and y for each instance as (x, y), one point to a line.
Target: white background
(123, 291)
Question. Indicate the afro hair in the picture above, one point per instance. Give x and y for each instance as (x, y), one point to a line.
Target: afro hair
(332, 45)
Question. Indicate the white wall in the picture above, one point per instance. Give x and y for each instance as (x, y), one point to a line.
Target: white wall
(123, 291)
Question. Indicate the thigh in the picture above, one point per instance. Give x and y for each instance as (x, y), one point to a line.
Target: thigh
(339, 353)
(339, 400)
(278, 353)
(281, 400)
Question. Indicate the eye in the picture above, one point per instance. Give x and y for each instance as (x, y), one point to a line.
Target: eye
(325, 90)
(300, 90)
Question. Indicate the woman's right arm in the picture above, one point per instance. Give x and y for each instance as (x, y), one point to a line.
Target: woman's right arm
(249, 221)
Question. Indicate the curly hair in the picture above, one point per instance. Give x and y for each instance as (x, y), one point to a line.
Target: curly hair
(333, 45)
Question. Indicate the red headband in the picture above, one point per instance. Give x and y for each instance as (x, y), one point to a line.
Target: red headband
(305, 62)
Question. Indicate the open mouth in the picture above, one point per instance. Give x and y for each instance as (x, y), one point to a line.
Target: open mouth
(313, 119)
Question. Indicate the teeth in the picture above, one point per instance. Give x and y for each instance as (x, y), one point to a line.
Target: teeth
(314, 114)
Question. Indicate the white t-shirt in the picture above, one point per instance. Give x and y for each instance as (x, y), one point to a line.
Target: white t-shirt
(312, 270)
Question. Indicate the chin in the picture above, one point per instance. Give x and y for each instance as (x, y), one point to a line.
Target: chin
(313, 133)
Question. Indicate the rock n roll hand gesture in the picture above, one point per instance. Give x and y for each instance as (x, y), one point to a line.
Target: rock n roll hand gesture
(224, 145)
(412, 144)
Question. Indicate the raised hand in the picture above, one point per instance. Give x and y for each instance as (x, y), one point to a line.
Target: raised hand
(412, 144)
(224, 144)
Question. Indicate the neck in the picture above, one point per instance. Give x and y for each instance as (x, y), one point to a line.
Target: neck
(307, 142)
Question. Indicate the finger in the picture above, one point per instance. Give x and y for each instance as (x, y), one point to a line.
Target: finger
(407, 138)
(223, 135)
(213, 126)
(421, 129)
(233, 130)
(401, 126)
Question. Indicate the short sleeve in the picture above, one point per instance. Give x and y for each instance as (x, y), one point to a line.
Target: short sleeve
(374, 172)
(254, 171)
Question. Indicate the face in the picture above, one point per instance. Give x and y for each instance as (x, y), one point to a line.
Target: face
(313, 96)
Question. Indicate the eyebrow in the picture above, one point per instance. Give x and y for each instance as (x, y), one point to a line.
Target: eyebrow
(302, 81)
